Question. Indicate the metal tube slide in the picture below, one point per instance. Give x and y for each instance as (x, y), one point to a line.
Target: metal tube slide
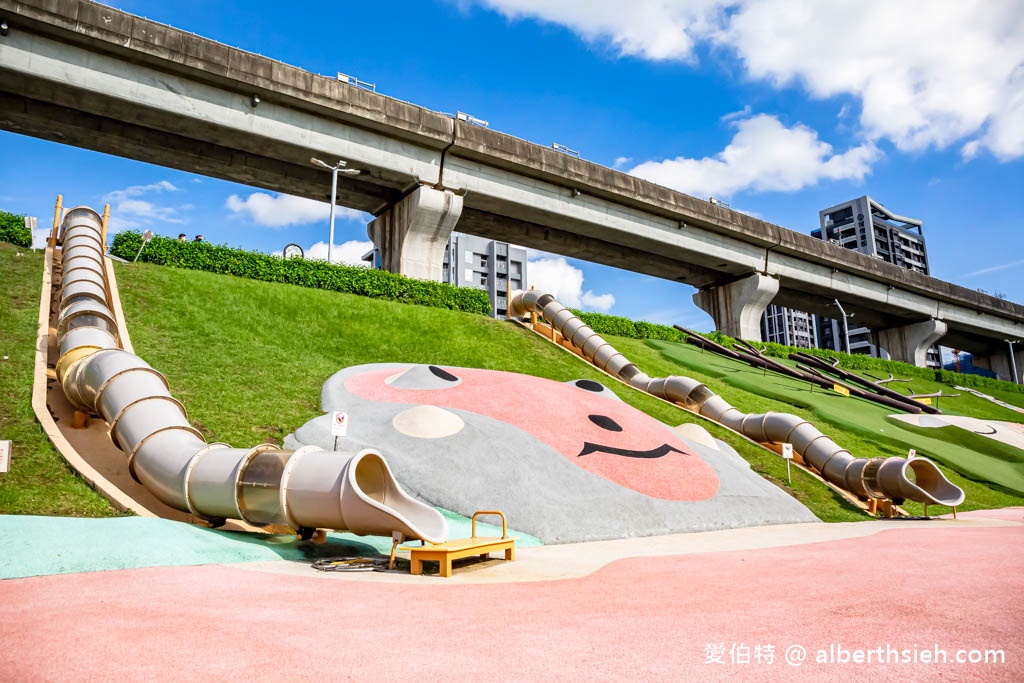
(918, 479)
(308, 488)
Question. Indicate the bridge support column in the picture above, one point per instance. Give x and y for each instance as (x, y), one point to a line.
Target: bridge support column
(737, 307)
(411, 235)
(910, 343)
(1004, 366)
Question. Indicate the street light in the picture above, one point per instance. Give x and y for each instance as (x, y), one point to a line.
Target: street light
(1013, 362)
(339, 167)
(846, 329)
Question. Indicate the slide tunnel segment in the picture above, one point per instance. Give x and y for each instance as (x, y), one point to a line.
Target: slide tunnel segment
(304, 489)
(917, 479)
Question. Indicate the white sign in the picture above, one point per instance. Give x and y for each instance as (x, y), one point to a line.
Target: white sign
(5, 456)
(787, 451)
(339, 424)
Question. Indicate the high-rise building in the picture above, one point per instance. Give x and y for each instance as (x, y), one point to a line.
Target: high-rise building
(789, 326)
(496, 267)
(864, 225)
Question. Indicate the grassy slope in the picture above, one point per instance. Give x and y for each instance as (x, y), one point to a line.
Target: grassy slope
(40, 481)
(856, 424)
(248, 359)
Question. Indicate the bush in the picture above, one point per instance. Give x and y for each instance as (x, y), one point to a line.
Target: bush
(13, 230)
(624, 327)
(376, 284)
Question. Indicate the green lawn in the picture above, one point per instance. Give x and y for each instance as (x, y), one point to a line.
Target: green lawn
(248, 360)
(40, 481)
(991, 473)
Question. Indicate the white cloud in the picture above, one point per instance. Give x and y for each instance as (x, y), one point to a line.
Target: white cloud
(995, 269)
(350, 252)
(280, 210)
(621, 161)
(126, 202)
(652, 29)
(565, 282)
(925, 75)
(764, 155)
(138, 190)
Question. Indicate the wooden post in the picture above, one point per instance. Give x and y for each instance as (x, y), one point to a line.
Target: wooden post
(106, 218)
(56, 220)
(79, 420)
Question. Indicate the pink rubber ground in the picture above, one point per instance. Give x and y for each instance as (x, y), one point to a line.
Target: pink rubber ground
(637, 619)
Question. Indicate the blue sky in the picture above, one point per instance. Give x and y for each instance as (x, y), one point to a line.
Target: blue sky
(779, 109)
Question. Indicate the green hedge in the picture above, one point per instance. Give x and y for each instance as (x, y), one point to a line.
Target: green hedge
(377, 284)
(624, 327)
(13, 230)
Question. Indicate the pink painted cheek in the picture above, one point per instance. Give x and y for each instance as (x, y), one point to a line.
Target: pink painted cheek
(557, 414)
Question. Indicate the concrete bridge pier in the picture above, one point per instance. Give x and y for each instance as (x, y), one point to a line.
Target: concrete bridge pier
(737, 307)
(1006, 368)
(910, 343)
(411, 235)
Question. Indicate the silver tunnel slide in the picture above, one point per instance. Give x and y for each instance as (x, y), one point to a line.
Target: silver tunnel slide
(304, 489)
(917, 479)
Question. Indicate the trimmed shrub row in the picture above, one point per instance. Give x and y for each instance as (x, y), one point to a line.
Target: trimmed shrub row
(624, 327)
(13, 230)
(377, 284)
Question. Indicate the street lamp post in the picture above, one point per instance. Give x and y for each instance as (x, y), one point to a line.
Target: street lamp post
(339, 167)
(846, 329)
(1013, 361)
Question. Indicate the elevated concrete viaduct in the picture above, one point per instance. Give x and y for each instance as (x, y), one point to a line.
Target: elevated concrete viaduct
(87, 75)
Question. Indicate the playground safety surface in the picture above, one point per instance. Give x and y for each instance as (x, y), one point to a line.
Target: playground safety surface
(692, 606)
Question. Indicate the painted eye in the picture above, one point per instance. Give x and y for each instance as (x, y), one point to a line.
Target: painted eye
(593, 387)
(423, 377)
(605, 422)
(443, 374)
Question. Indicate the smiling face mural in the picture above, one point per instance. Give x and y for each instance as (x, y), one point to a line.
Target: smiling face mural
(601, 434)
(565, 461)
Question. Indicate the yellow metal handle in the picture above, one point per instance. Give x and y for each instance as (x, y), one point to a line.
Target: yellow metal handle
(504, 522)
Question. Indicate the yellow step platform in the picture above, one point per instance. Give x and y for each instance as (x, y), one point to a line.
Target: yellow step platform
(445, 553)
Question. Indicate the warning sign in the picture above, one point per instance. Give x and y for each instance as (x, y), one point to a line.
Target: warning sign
(5, 456)
(339, 424)
(840, 390)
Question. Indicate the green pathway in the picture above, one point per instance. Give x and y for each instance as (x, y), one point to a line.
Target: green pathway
(39, 546)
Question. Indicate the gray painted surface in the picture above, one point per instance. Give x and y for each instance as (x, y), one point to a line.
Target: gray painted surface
(492, 464)
(89, 75)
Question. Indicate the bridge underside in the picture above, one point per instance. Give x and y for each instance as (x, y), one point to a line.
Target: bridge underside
(219, 153)
(207, 150)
